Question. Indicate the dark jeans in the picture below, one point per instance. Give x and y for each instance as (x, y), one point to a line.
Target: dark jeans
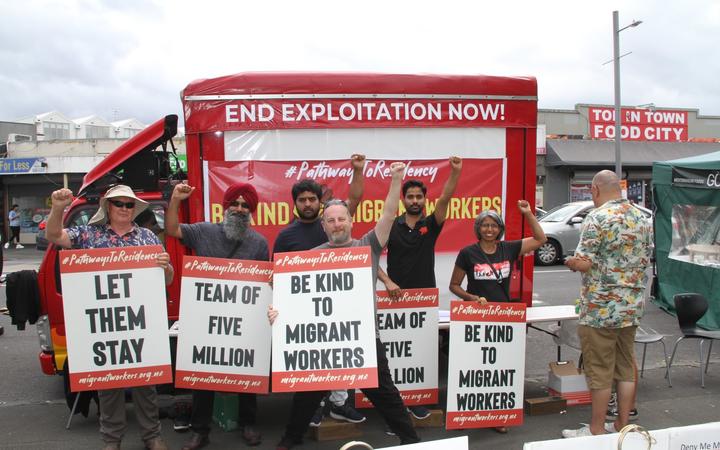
(385, 398)
(14, 235)
(202, 410)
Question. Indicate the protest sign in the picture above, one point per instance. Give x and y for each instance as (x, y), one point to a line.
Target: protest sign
(324, 335)
(115, 317)
(486, 369)
(224, 339)
(409, 330)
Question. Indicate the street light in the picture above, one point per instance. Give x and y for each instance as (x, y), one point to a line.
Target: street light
(616, 61)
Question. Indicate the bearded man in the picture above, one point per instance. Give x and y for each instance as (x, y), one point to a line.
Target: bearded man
(233, 238)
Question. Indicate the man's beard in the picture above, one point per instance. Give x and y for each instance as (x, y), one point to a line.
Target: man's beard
(309, 214)
(339, 237)
(235, 225)
(414, 210)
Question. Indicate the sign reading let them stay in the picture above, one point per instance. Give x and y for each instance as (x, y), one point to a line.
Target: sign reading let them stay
(115, 317)
(224, 339)
(409, 330)
(486, 370)
(324, 335)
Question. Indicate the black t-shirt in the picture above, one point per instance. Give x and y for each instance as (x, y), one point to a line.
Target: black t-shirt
(482, 280)
(300, 236)
(411, 252)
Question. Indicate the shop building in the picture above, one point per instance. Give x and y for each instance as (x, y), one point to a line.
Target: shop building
(580, 142)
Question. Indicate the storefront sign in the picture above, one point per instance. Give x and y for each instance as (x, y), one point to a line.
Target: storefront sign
(409, 330)
(115, 318)
(324, 335)
(486, 368)
(224, 340)
(639, 124)
(22, 165)
(696, 178)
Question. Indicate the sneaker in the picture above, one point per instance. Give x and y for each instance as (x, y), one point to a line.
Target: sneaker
(419, 412)
(181, 422)
(389, 432)
(612, 414)
(610, 427)
(7, 245)
(346, 413)
(287, 443)
(580, 432)
(318, 416)
(19, 246)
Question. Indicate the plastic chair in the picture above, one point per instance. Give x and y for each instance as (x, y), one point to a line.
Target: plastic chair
(645, 338)
(690, 308)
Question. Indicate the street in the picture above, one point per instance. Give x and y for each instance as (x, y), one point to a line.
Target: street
(33, 412)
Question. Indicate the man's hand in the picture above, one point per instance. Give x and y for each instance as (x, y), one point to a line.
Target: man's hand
(393, 289)
(455, 163)
(524, 207)
(61, 198)
(576, 263)
(163, 260)
(272, 314)
(479, 300)
(397, 169)
(357, 161)
(182, 191)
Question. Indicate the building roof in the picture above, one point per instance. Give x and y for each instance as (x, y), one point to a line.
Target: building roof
(586, 152)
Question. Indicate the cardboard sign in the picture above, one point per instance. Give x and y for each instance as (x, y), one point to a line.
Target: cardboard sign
(486, 368)
(409, 330)
(324, 335)
(224, 340)
(115, 317)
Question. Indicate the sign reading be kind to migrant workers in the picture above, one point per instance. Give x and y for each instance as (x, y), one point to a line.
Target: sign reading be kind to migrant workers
(324, 335)
(115, 317)
(486, 370)
(409, 330)
(224, 339)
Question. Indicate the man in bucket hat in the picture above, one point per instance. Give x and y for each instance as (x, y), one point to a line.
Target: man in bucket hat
(233, 238)
(113, 226)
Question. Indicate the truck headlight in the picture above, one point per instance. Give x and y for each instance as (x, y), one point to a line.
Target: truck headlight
(43, 331)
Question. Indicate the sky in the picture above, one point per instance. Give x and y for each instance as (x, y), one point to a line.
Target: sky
(131, 58)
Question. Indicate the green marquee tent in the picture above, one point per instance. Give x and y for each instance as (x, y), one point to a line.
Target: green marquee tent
(686, 193)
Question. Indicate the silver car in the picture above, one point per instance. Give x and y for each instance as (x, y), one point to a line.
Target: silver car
(562, 228)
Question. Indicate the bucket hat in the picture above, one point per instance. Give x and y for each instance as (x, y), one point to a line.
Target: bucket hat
(120, 190)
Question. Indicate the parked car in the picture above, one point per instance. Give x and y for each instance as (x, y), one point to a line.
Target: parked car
(539, 212)
(41, 242)
(562, 228)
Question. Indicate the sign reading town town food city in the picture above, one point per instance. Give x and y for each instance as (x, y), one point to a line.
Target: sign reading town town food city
(224, 338)
(638, 124)
(409, 330)
(324, 335)
(115, 317)
(486, 369)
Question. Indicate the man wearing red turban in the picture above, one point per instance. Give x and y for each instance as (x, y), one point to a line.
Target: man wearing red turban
(233, 238)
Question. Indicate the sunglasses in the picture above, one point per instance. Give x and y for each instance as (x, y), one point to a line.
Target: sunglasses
(119, 204)
(237, 204)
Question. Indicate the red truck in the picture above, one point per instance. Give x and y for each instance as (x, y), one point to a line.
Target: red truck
(272, 129)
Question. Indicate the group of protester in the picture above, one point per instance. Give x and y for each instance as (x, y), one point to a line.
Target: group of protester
(410, 239)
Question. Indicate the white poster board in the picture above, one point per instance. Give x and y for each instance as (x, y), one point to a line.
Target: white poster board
(224, 339)
(115, 317)
(409, 330)
(324, 335)
(457, 443)
(486, 368)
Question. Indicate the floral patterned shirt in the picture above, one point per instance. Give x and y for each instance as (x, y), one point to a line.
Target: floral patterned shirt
(102, 236)
(617, 239)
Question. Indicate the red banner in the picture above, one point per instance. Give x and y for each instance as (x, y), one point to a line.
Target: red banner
(479, 188)
(639, 124)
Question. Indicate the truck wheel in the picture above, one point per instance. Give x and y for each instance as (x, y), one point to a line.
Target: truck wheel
(548, 253)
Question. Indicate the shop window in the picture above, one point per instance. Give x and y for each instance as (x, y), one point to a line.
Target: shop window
(696, 234)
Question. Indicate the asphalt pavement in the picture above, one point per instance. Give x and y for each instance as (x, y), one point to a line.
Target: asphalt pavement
(33, 412)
